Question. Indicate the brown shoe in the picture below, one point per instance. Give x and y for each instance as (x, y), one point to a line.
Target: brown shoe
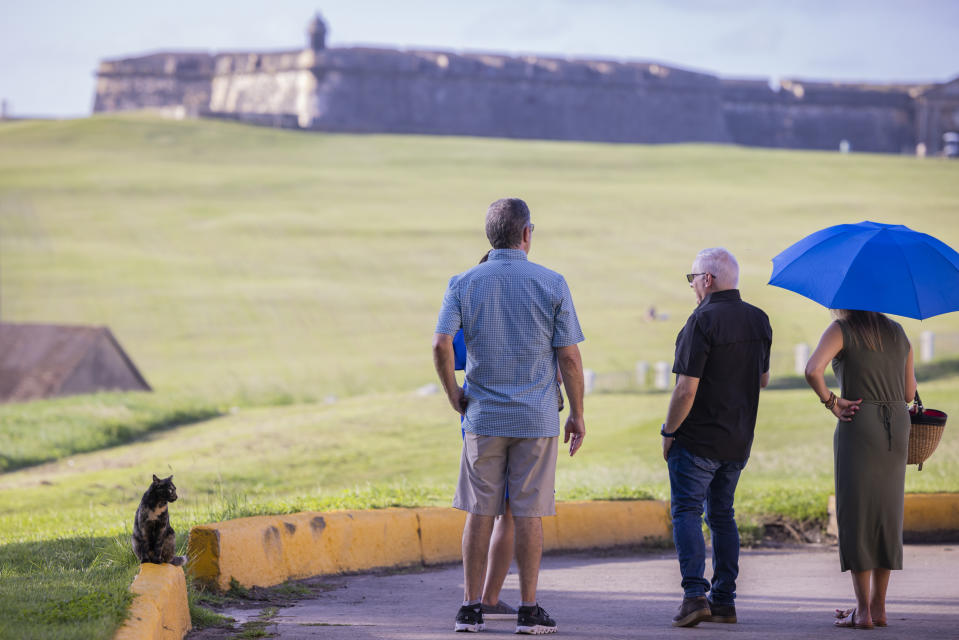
(722, 613)
(692, 612)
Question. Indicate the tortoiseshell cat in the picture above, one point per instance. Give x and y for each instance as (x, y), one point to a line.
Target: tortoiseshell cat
(153, 537)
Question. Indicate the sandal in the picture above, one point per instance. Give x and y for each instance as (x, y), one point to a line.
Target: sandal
(847, 620)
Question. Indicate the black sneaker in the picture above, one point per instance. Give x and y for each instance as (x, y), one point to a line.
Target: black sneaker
(469, 618)
(534, 621)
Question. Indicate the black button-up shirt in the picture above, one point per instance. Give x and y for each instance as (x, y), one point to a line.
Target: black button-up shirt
(725, 344)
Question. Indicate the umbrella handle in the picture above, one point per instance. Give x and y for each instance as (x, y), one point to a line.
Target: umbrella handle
(917, 403)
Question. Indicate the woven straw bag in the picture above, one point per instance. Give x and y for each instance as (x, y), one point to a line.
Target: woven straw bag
(926, 431)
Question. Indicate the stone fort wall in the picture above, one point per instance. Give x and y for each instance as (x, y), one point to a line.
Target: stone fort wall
(428, 92)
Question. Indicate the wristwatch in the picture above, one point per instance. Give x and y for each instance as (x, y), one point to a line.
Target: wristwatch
(662, 432)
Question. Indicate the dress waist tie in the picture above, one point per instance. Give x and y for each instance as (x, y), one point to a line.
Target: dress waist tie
(885, 414)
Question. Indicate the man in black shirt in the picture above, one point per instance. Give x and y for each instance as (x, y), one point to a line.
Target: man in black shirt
(722, 360)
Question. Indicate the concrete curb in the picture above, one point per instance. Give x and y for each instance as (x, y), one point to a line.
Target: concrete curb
(268, 550)
(927, 517)
(160, 610)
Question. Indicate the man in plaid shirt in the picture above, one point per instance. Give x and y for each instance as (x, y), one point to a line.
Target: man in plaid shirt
(519, 324)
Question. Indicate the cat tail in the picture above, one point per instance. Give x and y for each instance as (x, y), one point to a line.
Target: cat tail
(178, 561)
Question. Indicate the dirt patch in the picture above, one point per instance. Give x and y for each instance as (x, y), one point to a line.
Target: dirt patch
(249, 610)
(779, 530)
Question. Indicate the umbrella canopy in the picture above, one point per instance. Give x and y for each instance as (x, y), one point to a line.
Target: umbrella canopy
(872, 267)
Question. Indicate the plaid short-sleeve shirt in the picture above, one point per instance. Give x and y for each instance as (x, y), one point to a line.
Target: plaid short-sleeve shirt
(514, 314)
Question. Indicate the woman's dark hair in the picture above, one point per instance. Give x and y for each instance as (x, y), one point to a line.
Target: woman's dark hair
(866, 326)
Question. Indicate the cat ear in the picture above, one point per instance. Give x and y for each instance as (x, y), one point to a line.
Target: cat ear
(155, 478)
(169, 479)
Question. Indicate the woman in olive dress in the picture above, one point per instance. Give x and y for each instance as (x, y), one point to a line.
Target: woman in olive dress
(872, 360)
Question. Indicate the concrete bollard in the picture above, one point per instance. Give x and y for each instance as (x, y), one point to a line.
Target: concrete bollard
(926, 346)
(589, 380)
(642, 373)
(802, 357)
(661, 376)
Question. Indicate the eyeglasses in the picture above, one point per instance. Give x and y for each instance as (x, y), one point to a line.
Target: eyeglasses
(531, 227)
(692, 276)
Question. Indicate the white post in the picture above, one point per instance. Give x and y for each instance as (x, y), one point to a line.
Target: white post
(589, 379)
(926, 346)
(802, 357)
(642, 373)
(661, 377)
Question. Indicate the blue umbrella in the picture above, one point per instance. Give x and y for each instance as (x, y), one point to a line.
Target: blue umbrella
(872, 267)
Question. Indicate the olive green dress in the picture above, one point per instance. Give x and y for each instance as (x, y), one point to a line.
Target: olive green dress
(870, 452)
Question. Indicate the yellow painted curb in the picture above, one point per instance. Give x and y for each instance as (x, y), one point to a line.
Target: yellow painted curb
(268, 550)
(931, 513)
(926, 516)
(583, 525)
(441, 534)
(160, 610)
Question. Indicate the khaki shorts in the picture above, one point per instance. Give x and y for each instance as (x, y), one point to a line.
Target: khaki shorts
(490, 463)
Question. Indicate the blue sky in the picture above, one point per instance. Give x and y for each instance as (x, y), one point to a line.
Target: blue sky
(50, 48)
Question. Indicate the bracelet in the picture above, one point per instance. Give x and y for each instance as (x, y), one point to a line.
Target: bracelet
(662, 432)
(831, 402)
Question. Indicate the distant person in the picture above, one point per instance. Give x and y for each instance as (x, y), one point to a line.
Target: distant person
(722, 360)
(501, 541)
(872, 360)
(519, 324)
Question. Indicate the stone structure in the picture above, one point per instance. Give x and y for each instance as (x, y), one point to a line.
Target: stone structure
(938, 114)
(444, 93)
(44, 360)
(816, 115)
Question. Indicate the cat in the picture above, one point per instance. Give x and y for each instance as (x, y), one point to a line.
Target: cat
(153, 537)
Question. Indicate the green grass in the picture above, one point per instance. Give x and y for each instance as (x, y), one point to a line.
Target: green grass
(371, 452)
(65, 586)
(48, 430)
(273, 265)
(288, 284)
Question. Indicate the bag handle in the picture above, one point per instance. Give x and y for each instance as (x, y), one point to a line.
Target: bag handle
(917, 403)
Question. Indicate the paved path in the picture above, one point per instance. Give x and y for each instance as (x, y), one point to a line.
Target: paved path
(787, 593)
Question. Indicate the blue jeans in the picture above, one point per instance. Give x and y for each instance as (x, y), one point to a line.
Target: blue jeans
(694, 481)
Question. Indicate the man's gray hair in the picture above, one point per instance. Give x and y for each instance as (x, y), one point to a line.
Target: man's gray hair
(505, 220)
(721, 264)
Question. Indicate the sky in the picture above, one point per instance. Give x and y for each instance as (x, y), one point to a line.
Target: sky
(50, 48)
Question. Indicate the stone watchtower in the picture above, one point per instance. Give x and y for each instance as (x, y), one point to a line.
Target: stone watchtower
(317, 33)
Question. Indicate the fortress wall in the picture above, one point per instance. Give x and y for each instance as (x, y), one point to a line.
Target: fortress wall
(429, 92)
(818, 116)
(434, 93)
(391, 61)
(276, 89)
(258, 92)
(154, 81)
(270, 62)
(938, 113)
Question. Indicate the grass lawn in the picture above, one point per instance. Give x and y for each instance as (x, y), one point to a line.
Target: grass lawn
(286, 285)
(64, 526)
(38, 432)
(255, 265)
